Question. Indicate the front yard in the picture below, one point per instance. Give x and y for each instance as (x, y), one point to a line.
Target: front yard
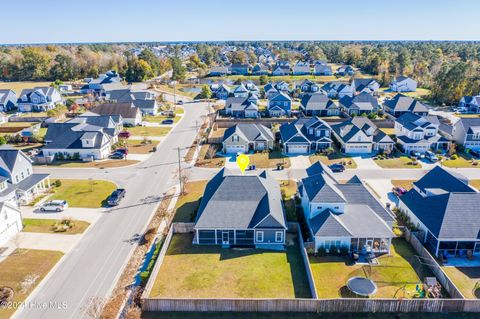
(188, 203)
(83, 193)
(140, 146)
(53, 226)
(333, 158)
(148, 130)
(94, 164)
(405, 183)
(461, 160)
(191, 271)
(207, 157)
(22, 271)
(396, 275)
(467, 280)
(401, 161)
(268, 159)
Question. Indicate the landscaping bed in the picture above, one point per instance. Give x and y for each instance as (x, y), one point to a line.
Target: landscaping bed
(50, 226)
(22, 271)
(83, 193)
(396, 275)
(405, 183)
(201, 271)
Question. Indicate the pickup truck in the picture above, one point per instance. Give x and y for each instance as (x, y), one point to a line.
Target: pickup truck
(116, 196)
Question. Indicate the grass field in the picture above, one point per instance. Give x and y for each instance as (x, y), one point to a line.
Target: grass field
(212, 271)
(467, 279)
(475, 183)
(179, 90)
(21, 265)
(31, 225)
(188, 203)
(388, 131)
(19, 86)
(83, 193)
(149, 130)
(397, 162)
(395, 276)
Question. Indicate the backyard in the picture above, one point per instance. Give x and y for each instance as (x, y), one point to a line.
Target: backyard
(396, 275)
(50, 226)
(230, 273)
(21, 85)
(188, 202)
(83, 193)
(22, 271)
(467, 280)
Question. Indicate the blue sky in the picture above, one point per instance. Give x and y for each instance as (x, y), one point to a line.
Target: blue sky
(35, 21)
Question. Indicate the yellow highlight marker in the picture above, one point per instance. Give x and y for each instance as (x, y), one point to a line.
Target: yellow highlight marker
(242, 162)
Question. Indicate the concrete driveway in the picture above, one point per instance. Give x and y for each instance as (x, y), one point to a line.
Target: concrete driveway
(90, 215)
(59, 242)
(383, 188)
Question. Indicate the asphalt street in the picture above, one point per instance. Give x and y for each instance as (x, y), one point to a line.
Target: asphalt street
(95, 264)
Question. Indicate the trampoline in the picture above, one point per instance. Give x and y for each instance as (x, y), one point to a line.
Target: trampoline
(362, 286)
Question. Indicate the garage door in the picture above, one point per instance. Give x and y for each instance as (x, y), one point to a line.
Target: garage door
(358, 149)
(233, 149)
(297, 149)
(8, 232)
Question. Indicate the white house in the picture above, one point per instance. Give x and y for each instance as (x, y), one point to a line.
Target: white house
(10, 222)
(403, 84)
(39, 99)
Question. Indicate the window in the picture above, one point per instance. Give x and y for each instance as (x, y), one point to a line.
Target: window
(23, 175)
(235, 138)
(28, 171)
(310, 131)
(319, 207)
(259, 235)
(279, 236)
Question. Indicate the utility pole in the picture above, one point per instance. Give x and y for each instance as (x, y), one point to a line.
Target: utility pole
(174, 93)
(179, 170)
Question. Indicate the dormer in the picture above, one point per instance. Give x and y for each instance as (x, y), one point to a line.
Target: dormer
(88, 140)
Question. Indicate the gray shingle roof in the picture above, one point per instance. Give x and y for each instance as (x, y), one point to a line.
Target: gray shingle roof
(241, 202)
(250, 132)
(362, 102)
(317, 101)
(125, 109)
(402, 103)
(300, 128)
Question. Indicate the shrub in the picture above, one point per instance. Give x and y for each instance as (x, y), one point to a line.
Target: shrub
(321, 251)
(76, 156)
(343, 250)
(58, 183)
(454, 157)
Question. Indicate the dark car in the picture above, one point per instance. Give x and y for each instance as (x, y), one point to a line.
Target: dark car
(399, 191)
(167, 122)
(117, 155)
(180, 102)
(124, 134)
(122, 150)
(337, 168)
(116, 196)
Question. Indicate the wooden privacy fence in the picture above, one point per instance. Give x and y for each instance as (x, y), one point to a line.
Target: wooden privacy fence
(428, 259)
(312, 305)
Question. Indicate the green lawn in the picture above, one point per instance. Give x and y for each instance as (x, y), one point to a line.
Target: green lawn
(139, 147)
(397, 162)
(289, 189)
(148, 130)
(197, 271)
(388, 131)
(395, 275)
(333, 158)
(83, 193)
(462, 161)
(268, 159)
(467, 280)
(188, 203)
(19, 266)
(31, 225)
(160, 118)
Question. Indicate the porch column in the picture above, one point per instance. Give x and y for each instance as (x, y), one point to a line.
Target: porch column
(389, 245)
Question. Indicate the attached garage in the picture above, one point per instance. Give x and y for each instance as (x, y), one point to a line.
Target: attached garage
(297, 148)
(358, 148)
(233, 149)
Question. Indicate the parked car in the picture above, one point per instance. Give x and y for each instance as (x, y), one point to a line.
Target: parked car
(431, 156)
(54, 206)
(167, 122)
(337, 168)
(180, 102)
(399, 191)
(122, 150)
(415, 153)
(124, 134)
(117, 155)
(115, 198)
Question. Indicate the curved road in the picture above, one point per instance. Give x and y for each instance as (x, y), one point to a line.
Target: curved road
(94, 265)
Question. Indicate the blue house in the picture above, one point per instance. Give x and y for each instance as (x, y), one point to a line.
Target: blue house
(8, 100)
(279, 104)
(239, 69)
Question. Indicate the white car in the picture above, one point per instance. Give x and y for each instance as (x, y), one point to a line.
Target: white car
(54, 206)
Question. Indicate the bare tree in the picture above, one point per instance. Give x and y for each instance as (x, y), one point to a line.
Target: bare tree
(211, 152)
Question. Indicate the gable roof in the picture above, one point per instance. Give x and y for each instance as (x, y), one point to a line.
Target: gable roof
(440, 178)
(241, 202)
(359, 84)
(280, 96)
(317, 101)
(363, 102)
(9, 156)
(402, 103)
(125, 109)
(250, 132)
(298, 130)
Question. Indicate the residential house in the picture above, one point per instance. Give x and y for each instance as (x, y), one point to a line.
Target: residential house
(223, 92)
(240, 91)
(131, 115)
(445, 209)
(305, 135)
(360, 135)
(322, 69)
(279, 104)
(363, 103)
(242, 106)
(269, 90)
(337, 90)
(65, 88)
(144, 99)
(84, 137)
(8, 100)
(243, 138)
(471, 103)
(282, 86)
(96, 85)
(365, 85)
(18, 184)
(318, 104)
(307, 86)
(301, 68)
(418, 133)
(241, 210)
(344, 216)
(401, 104)
(260, 69)
(403, 84)
(10, 222)
(464, 131)
(239, 69)
(345, 70)
(281, 68)
(252, 88)
(218, 71)
(39, 99)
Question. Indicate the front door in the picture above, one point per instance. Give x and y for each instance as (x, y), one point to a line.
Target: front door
(225, 238)
(369, 244)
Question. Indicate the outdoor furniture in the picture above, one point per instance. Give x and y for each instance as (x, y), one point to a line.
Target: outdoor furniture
(362, 286)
